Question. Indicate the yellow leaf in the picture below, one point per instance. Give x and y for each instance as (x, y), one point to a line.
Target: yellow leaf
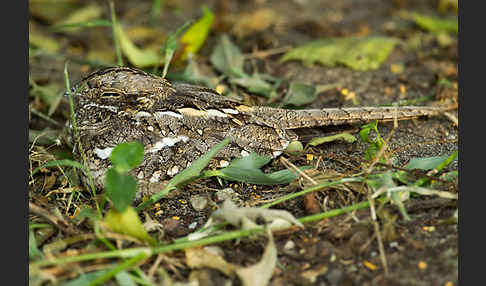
(138, 57)
(127, 222)
(194, 37)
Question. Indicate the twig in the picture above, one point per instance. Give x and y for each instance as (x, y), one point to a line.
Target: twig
(266, 53)
(452, 118)
(378, 234)
(289, 165)
(57, 221)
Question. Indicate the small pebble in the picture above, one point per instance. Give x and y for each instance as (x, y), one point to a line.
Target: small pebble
(199, 202)
(224, 194)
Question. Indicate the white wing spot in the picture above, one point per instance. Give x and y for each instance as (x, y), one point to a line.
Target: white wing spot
(168, 113)
(141, 114)
(230, 111)
(155, 176)
(223, 163)
(103, 153)
(110, 108)
(276, 153)
(216, 113)
(174, 170)
(168, 142)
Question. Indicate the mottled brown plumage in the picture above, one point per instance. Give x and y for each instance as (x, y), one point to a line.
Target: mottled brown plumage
(177, 124)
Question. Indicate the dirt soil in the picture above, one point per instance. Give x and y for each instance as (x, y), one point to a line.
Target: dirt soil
(341, 250)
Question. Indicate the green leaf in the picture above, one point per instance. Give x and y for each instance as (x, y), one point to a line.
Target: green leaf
(138, 57)
(194, 171)
(227, 58)
(254, 84)
(126, 156)
(436, 25)
(120, 189)
(58, 163)
(171, 45)
(194, 37)
(252, 161)
(34, 252)
(360, 53)
(341, 136)
(247, 169)
(86, 278)
(124, 279)
(127, 222)
(425, 164)
(256, 176)
(374, 145)
(300, 94)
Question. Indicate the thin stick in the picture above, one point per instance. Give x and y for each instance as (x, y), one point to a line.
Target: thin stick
(294, 168)
(114, 25)
(57, 221)
(266, 53)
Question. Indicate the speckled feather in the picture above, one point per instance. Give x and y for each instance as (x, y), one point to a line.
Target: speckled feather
(177, 124)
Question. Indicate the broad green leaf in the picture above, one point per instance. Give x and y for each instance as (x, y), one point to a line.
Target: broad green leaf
(86, 278)
(126, 156)
(256, 176)
(34, 252)
(120, 188)
(58, 163)
(252, 161)
(341, 136)
(425, 164)
(254, 84)
(127, 222)
(436, 25)
(360, 53)
(138, 57)
(300, 94)
(194, 37)
(124, 279)
(227, 58)
(247, 169)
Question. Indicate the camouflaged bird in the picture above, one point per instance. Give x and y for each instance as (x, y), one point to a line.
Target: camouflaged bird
(178, 123)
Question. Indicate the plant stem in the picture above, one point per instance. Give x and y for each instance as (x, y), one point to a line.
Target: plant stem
(115, 26)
